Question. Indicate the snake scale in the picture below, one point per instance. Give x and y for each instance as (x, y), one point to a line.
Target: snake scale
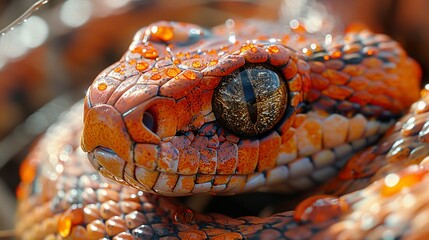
(247, 107)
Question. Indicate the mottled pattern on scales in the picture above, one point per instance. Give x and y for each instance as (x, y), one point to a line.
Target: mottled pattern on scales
(240, 108)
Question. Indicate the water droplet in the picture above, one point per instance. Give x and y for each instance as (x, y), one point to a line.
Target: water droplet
(273, 49)
(102, 86)
(146, 51)
(164, 33)
(336, 54)
(172, 72)
(190, 74)
(213, 62)
(197, 64)
(150, 53)
(246, 47)
(141, 66)
(394, 183)
(155, 76)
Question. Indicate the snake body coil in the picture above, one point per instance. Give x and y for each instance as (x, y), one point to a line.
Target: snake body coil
(188, 111)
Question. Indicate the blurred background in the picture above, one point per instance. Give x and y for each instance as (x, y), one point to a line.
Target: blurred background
(47, 62)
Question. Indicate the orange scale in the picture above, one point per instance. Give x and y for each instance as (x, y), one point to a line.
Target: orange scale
(91, 213)
(313, 95)
(166, 182)
(145, 177)
(112, 163)
(383, 101)
(227, 155)
(318, 81)
(375, 74)
(146, 155)
(306, 82)
(372, 62)
(135, 219)
(181, 86)
(236, 184)
(221, 179)
(248, 154)
(109, 209)
(255, 55)
(185, 184)
(203, 178)
(317, 67)
(320, 208)
(303, 67)
(334, 64)
(208, 161)
(358, 83)
(192, 234)
(268, 151)
(208, 83)
(188, 161)
(277, 55)
(168, 159)
(95, 230)
(376, 88)
(295, 84)
(184, 116)
(180, 142)
(354, 69)
(224, 66)
(296, 98)
(335, 77)
(200, 103)
(115, 225)
(338, 92)
(108, 86)
(298, 120)
(289, 143)
(129, 206)
(359, 166)
(290, 70)
(134, 96)
(361, 97)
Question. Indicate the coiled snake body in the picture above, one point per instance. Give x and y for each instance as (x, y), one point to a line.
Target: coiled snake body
(238, 108)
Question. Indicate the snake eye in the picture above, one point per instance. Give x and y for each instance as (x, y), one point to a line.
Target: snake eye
(251, 100)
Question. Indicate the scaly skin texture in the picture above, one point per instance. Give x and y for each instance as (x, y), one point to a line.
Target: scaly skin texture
(340, 97)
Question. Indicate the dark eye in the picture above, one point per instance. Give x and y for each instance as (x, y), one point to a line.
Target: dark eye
(250, 101)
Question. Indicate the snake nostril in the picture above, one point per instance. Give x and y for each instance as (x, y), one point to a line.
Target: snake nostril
(149, 121)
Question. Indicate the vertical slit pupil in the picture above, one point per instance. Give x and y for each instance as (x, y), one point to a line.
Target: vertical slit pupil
(249, 95)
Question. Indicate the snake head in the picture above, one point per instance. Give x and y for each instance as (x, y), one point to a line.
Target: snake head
(187, 110)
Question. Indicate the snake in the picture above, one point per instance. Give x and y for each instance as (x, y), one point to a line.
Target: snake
(238, 108)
